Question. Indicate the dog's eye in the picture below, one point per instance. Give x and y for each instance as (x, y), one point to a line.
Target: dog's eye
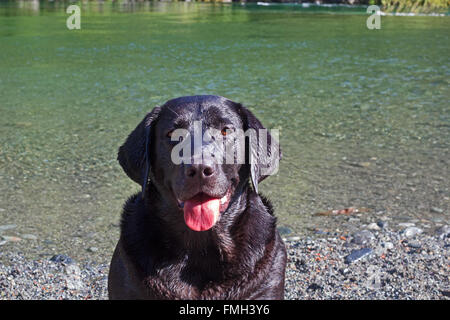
(224, 131)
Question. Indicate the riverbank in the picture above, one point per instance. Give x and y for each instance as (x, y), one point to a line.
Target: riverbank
(374, 262)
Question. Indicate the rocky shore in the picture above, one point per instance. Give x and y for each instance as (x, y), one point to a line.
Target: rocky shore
(372, 263)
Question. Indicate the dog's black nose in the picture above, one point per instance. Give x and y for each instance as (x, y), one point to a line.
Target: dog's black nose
(203, 171)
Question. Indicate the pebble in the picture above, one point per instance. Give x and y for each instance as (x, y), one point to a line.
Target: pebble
(436, 210)
(10, 238)
(92, 249)
(373, 226)
(414, 244)
(344, 271)
(314, 286)
(7, 227)
(443, 232)
(406, 224)
(356, 255)
(412, 232)
(388, 245)
(29, 236)
(283, 230)
(382, 224)
(61, 258)
(436, 219)
(362, 237)
(445, 293)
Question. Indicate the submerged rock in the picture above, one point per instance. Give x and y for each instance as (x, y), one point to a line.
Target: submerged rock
(29, 236)
(92, 249)
(10, 238)
(436, 210)
(283, 230)
(61, 258)
(7, 227)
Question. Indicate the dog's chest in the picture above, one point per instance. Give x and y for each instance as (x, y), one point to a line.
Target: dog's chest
(186, 280)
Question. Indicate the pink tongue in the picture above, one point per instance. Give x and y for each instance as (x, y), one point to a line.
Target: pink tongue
(201, 212)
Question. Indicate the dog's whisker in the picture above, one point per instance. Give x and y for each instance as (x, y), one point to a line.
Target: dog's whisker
(172, 111)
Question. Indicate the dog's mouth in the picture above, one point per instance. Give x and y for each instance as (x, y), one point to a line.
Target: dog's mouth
(201, 212)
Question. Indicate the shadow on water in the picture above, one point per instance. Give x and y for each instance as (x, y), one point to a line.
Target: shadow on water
(363, 114)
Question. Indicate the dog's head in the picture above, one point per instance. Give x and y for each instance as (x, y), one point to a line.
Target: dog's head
(198, 152)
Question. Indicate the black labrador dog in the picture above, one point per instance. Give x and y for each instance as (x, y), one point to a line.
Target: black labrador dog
(199, 229)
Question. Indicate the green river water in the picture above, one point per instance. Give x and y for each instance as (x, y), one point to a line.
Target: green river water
(363, 114)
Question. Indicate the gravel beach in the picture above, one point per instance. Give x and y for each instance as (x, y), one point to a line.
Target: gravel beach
(372, 263)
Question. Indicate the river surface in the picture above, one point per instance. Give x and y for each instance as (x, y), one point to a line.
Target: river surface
(364, 115)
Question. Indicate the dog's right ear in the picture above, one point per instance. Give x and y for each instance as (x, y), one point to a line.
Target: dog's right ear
(134, 154)
(264, 156)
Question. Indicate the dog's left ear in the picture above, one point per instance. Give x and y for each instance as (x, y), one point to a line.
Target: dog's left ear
(134, 154)
(264, 149)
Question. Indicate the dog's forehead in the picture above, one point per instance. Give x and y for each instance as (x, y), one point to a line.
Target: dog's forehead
(213, 110)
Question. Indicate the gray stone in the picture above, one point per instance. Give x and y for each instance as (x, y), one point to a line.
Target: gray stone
(412, 232)
(414, 244)
(29, 237)
(61, 258)
(362, 237)
(382, 224)
(373, 226)
(406, 224)
(10, 238)
(7, 227)
(388, 245)
(436, 210)
(445, 293)
(344, 271)
(379, 250)
(443, 232)
(284, 230)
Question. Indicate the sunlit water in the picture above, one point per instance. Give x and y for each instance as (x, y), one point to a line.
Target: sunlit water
(363, 114)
